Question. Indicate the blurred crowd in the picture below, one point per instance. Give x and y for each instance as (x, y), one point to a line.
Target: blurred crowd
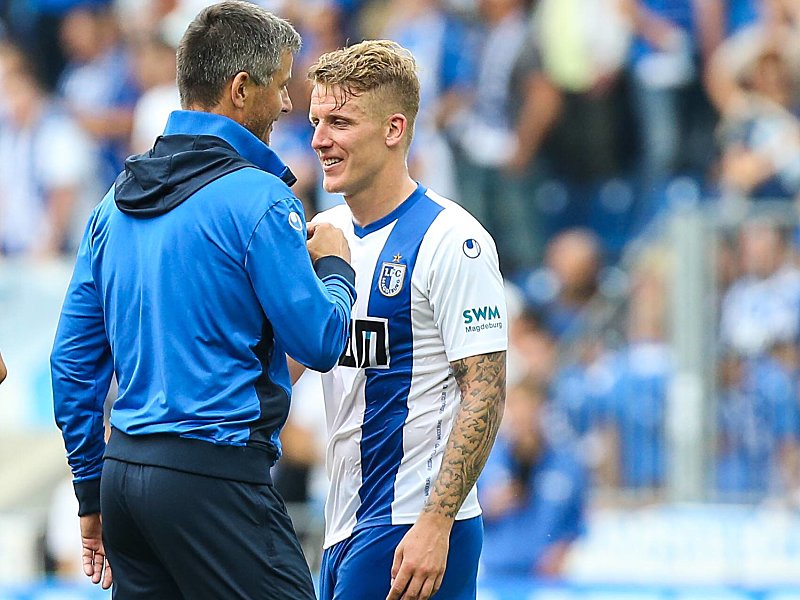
(537, 115)
(570, 128)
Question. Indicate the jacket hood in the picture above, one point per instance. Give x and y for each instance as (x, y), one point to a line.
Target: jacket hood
(185, 159)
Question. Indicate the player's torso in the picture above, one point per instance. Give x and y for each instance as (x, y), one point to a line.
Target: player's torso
(391, 400)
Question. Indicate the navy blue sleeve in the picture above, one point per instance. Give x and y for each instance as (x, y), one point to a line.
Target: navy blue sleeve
(310, 316)
(81, 369)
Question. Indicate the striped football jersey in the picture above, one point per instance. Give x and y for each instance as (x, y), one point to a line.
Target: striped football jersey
(429, 293)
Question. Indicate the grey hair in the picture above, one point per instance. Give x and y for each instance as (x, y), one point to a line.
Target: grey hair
(225, 39)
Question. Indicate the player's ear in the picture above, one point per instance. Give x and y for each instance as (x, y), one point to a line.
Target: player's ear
(396, 129)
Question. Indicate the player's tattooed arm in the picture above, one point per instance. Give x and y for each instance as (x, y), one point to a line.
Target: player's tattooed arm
(482, 381)
(421, 556)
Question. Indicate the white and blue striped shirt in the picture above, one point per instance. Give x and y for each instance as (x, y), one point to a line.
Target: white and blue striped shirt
(429, 292)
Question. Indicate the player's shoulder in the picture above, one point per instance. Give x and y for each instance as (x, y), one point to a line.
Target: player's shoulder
(455, 222)
(454, 218)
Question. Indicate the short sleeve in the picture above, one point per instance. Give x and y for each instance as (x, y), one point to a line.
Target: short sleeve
(465, 288)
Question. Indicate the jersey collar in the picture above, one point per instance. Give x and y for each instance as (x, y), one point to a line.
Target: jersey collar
(392, 216)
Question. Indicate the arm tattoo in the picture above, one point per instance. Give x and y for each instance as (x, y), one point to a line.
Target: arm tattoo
(482, 381)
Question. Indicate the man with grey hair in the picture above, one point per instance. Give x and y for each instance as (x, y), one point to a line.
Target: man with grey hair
(195, 277)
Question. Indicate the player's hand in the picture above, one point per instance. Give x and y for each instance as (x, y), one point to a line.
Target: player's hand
(95, 563)
(326, 240)
(420, 559)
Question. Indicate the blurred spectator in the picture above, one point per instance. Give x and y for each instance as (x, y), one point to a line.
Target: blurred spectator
(761, 309)
(674, 41)
(533, 349)
(759, 430)
(582, 403)
(300, 475)
(47, 167)
(154, 61)
(62, 536)
(486, 139)
(583, 43)
(301, 469)
(143, 19)
(169, 17)
(731, 68)
(439, 43)
(354, 17)
(566, 289)
(761, 142)
(611, 402)
(753, 80)
(643, 370)
(34, 26)
(741, 13)
(97, 84)
(533, 494)
(318, 22)
(583, 46)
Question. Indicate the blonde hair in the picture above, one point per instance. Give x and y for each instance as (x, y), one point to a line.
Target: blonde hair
(382, 67)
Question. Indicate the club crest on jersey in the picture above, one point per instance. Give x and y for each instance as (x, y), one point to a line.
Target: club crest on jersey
(391, 280)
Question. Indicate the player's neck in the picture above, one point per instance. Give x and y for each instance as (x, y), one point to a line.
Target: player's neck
(376, 202)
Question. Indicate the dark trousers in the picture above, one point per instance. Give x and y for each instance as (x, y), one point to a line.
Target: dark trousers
(171, 535)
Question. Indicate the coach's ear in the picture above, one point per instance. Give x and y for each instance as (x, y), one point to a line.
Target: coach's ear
(239, 90)
(396, 129)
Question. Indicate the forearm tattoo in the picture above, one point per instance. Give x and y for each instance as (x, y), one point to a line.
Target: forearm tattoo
(482, 381)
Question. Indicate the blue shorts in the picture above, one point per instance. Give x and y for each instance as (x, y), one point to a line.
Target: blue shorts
(359, 568)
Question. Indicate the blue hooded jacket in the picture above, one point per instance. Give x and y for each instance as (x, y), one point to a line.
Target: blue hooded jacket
(191, 283)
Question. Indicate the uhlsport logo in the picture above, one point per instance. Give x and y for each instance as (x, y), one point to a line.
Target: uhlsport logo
(391, 280)
(295, 221)
(484, 317)
(471, 248)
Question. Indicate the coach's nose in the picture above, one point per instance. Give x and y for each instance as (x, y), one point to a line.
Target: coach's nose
(286, 101)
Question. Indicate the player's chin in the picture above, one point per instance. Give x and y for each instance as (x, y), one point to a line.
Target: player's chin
(332, 185)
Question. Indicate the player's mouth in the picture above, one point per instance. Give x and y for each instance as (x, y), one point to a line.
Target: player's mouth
(329, 164)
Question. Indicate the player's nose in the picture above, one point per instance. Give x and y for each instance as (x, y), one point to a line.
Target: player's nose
(320, 139)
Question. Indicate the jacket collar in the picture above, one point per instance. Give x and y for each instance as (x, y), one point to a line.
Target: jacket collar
(193, 122)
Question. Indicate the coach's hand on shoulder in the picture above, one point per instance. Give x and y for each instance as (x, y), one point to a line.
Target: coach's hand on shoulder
(420, 558)
(95, 563)
(326, 240)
